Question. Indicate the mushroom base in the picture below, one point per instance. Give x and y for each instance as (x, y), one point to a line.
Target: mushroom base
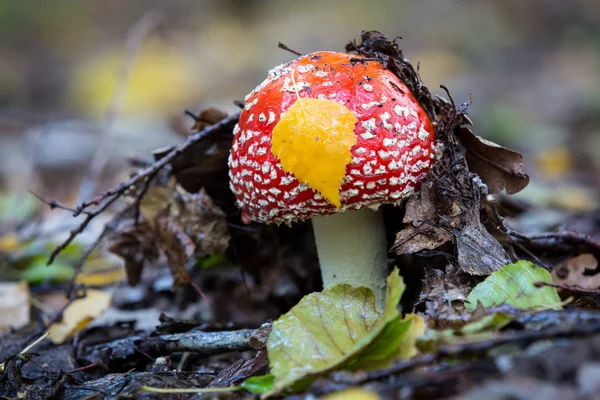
(352, 249)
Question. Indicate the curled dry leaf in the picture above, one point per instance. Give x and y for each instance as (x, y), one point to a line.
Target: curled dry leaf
(177, 246)
(421, 233)
(135, 245)
(499, 168)
(577, 271)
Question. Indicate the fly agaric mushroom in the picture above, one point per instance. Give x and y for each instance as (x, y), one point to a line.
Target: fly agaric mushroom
(332, 136)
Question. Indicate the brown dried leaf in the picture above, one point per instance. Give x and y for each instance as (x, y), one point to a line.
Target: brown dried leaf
(178, 248)
(135, 245)
(156, 200)
(575, 271)
(479, 253)
(499, 168)
(445, 286)
(203, 222)
(421, 233)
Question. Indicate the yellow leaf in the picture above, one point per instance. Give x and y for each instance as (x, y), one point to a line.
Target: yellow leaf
(102, 277)
(353, 393)
(408, 346)
(313, 141)
(80, 313)
(9, 242)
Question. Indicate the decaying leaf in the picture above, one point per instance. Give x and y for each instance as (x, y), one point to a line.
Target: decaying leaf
(576, 271)
(202, 221)
(14, 305)
(421, 233)
(155, 202)
(499, 168)
(180, 224)
(79, 314)
(337, 327)
(445, 286)
(479, 253)
(514, 285)
(135, 245)
(178, 248)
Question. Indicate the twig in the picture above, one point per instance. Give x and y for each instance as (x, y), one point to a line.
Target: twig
(203, 343)
(53, 204)
(31, 346)
(111, 195)
(152, 389)
(135, 37)
(286, 48)
(567, 287)
(89, 216)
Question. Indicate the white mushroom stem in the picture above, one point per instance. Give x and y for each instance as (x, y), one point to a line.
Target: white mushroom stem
(352, 249)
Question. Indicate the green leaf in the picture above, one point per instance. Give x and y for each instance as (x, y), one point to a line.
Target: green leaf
(493, 322)
(38, 273)
(259, 384)
(332, 329)
(513, 284)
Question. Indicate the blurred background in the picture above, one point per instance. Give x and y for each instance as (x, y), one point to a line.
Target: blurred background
(87, 76)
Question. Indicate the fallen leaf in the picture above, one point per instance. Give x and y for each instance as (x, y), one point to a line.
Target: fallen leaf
(79, 314)
(259, 384)
(577, 271)
(135, 245)
(313, 141)
(499, 168)
(407, 348)
(203, 222)
(178, 247)
(39, 272)
(353, 393)
(479, 253)
(14, 305)
(156, 200)
(331, 329)
(421, 233)
(514, 285)
(449, 285)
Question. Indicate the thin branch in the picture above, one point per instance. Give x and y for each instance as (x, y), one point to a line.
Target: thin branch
(286, 48)
(202, 343)
(53, 204)
(90, 215)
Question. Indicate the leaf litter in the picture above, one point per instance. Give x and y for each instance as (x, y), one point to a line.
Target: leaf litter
(472, 295)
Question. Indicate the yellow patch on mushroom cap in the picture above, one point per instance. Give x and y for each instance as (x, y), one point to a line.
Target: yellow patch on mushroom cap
(313, 140)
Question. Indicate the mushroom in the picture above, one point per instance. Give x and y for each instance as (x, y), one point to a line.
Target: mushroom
(280, 173)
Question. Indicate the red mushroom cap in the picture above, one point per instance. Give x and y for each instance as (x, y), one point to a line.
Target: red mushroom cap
(393, 150)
